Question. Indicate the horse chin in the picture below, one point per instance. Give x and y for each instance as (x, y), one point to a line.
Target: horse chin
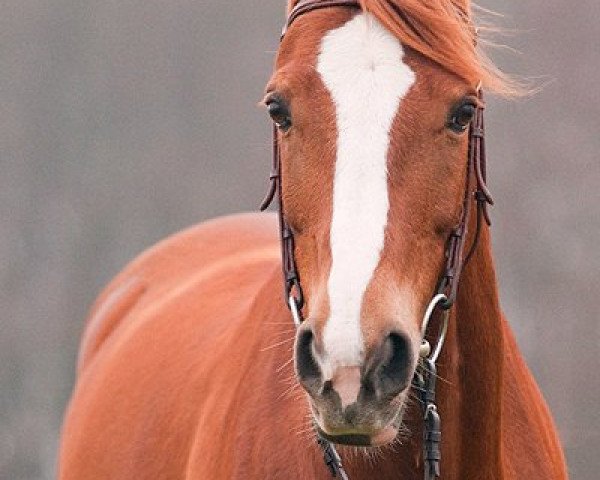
(366, 433)
(365, 438)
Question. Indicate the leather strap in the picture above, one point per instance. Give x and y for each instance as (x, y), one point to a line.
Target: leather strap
(306, 6)
(291, 278)
(476, 169)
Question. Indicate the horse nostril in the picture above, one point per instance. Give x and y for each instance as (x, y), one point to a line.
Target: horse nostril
(307, 367)
(391, 368)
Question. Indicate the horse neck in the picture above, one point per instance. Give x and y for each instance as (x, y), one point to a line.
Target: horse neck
(475, 351)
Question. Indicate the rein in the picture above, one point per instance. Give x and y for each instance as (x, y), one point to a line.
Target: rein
(424, 381)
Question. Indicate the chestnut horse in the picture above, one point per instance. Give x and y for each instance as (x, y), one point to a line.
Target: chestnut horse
(190, 366)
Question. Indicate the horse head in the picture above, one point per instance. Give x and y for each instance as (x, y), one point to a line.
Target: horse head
(372, 106)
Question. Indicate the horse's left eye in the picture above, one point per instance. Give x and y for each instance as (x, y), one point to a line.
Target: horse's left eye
(461, 117)
(280, 113)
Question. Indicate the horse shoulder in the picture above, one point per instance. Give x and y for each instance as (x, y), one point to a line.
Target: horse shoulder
(531, 448)
(206, 247)
(153, 344)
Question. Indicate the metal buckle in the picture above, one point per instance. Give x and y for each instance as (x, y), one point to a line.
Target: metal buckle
(297, 317)
(425, 350)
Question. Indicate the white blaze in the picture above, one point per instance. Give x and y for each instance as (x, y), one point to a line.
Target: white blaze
(361, 65)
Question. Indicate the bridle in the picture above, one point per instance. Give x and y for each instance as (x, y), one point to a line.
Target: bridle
(445, 296)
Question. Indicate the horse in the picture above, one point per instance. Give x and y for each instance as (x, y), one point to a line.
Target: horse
(190, 365)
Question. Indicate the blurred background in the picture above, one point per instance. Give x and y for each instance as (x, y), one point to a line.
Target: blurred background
(124, 121)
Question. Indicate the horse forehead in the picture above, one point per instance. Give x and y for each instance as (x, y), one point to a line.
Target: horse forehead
(362, 66)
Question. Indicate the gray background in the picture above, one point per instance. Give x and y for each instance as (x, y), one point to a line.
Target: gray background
(124, 121)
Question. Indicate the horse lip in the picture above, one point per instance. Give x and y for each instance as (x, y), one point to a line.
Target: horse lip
(385, 436)
(356, 440)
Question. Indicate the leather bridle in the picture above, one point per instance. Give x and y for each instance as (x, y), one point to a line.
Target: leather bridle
(445, 297)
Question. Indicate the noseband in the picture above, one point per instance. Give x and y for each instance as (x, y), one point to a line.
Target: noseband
(445, 296)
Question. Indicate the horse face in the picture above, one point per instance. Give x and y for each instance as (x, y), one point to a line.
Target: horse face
(374, 148)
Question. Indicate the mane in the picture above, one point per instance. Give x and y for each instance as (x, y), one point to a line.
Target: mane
(442, 31)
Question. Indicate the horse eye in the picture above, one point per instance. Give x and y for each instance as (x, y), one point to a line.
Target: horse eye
(461, 117)
(280, 114)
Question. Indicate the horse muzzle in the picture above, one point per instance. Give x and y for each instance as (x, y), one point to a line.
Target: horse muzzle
(357, 405)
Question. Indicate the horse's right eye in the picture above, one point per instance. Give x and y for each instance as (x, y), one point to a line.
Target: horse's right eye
(280, 113)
